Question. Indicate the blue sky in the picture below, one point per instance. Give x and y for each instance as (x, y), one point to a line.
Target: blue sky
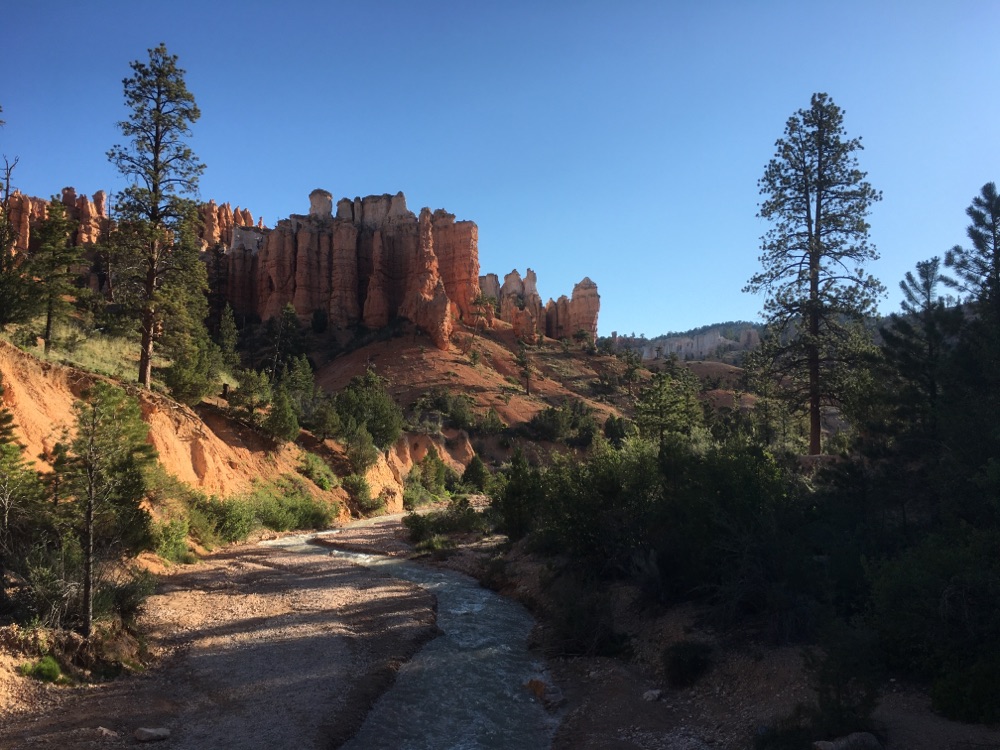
(620, 141)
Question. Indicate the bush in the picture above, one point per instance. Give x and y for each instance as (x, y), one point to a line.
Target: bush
(490, 424)
(580, 620)
(45, 669)
(360, 492)
(202, 528)
(846, 673)
(970, 694)
(315, 468)
(232, 520)
(361, 450)
(125, 597)
(282, 505)
(686, 662)
(415, 494)
(441, 405)
(458, 518)
(476, 476)
(367, 402)
(170, 540)
(936, 608)
(572, 422)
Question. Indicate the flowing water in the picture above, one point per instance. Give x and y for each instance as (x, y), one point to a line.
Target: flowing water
(464, 690)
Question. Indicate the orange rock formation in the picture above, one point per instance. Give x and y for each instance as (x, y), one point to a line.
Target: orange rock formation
(371, 262)
(521, 306)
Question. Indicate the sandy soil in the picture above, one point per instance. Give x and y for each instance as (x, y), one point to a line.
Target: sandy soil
(262, 648)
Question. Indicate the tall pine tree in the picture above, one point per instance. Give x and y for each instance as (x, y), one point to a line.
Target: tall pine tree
(163, 174)
(813, 256)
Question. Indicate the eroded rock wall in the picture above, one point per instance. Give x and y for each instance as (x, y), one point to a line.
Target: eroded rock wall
(27, 211)
(369, 261)
(521, 306)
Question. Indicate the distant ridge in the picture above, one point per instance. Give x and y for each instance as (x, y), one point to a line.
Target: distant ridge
(724, 342)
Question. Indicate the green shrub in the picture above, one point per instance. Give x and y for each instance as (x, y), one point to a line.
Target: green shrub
(490, 424)
(442, 405)
(360, 492)
(846, 673)
(572, 422)
(233, 520)
(202, 528)
(282, 505)
(580, 620)
(415, 494)
(476, 476)
(936, 609)
(366, 401)
(125, 596)
(458, 518)
(170, 540)
(315, 468)
(361, 450)
(45, 669)
(686, 662)
(437, 546)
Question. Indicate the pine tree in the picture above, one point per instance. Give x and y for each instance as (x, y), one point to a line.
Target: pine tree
(977, 269)
(162, 171)
(228, 339)
(6, 421)
(195, 360)
(19, 299)
(107, 457)
(54, 265)
(814, 254)
(669, 404)
(253, 393)
(280, 422)
(917, 345)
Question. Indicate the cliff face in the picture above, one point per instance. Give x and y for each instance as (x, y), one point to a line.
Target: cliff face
(521, 306)
(26, 211)
(371, 262)
(219, 223)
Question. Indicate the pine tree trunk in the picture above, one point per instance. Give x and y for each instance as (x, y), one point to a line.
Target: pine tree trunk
(88, 564)
(148, 326)
(49, 314)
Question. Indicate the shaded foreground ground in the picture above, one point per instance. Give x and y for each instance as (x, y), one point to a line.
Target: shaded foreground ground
(263, 648)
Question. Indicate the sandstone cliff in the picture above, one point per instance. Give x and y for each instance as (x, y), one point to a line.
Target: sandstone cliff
(370, 262)
(26, 211)
(521, 306)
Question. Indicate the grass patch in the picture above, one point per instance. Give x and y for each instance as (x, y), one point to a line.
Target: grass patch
(46, 669)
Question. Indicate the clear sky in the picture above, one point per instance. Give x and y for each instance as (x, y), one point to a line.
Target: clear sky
(621, 141)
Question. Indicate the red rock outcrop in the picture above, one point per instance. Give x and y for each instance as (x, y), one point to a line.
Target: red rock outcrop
(369, 262)
(26, 211)
(584, 306)
(426, 302)
(219, 223)
(521, 306)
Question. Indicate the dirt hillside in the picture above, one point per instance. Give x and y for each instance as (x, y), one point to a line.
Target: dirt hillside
(205, 450)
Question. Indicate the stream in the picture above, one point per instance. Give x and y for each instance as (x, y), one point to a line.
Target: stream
(464, 690)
